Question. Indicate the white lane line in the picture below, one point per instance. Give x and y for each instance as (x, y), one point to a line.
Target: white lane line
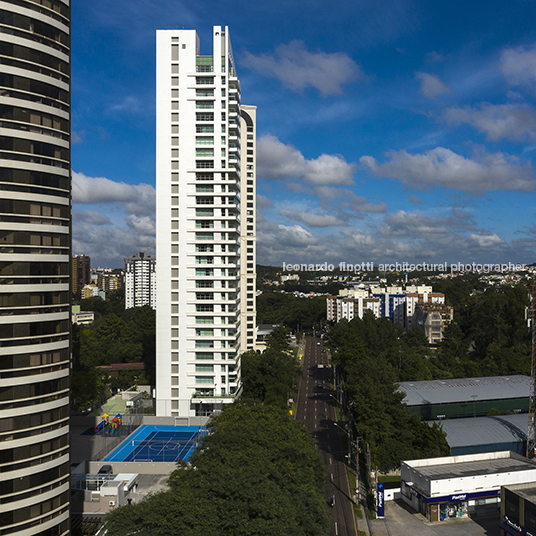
(331, 461)
(331, 477)
(336, 529)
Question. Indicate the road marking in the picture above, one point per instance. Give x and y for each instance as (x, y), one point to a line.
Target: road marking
(331, 461)
(336, 529)
(331, 477)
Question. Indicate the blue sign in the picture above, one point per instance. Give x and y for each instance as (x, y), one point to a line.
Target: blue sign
(459, 497)
(380, 501)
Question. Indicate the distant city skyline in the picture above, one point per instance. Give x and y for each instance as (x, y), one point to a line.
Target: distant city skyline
(387, 132)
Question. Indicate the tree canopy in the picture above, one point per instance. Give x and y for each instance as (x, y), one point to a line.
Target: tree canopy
(257, 473)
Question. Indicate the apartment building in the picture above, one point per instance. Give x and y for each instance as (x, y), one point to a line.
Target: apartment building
(140, 281)
(35, 263)
(205, 189)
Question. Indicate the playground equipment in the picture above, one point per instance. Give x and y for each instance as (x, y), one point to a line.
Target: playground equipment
(106, 423)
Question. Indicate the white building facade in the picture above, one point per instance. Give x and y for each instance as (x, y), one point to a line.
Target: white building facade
(205, 206)
(140, 281)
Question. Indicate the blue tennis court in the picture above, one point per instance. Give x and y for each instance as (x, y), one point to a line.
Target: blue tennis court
(157, 443)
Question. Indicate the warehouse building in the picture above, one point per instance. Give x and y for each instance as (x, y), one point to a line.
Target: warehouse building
(457, 486)
(486, 434)
(467, 397)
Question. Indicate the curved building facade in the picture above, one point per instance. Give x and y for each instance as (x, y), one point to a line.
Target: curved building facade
(35, 252)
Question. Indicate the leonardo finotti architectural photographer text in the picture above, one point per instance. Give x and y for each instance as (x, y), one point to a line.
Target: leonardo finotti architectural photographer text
(406, 267)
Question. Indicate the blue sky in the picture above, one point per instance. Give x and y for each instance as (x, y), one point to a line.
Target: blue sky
(388, 131)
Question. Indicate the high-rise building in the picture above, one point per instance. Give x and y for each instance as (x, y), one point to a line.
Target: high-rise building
(205, 221)
(35, 261)
(81, 273)
(140, 281)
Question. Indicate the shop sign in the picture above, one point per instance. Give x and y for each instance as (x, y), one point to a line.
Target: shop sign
(380, 500)
(459, 497)
(517, 526)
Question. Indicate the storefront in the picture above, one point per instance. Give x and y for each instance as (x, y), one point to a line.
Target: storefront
(444, 489)
(518, 510)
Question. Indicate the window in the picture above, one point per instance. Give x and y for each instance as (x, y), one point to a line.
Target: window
(204, 176)
(204, 200)
(204, 164)
(204, 344)
(204, 224)
(204, 295)
(202, 152)
(206, 116)
(203, 140)
(204, 332)
(204, 379)
(204, 236)
(204, 105)
(204, 308)
(204, 260)
(204, 129)
(204, 271)
(204, 211)
(205, 284)
(204, 355)
(204, 248)
(204, 64)
(204, 80)
(204, 92)
(205, 189)
(204, 368)
(204, 320)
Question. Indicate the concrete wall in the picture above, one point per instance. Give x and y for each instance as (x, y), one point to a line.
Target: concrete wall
(142, 468)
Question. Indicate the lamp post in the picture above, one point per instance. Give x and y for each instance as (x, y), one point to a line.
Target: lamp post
(351, 444)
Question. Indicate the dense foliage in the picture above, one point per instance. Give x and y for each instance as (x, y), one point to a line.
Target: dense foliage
(272, 377)
(116, 336)
(372, 355)
(298, 314)
(256, 474)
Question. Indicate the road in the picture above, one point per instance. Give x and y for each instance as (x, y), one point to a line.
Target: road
(316, 409)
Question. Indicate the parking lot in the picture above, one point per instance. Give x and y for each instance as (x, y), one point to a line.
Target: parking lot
(401, 521)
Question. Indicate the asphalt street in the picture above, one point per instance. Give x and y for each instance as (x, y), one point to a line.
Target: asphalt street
(316, 409)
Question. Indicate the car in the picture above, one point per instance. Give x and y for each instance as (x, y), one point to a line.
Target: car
(319, 365)
(318, 344)
(319, 385)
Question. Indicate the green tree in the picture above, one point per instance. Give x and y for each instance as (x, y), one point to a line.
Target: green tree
(257, 473)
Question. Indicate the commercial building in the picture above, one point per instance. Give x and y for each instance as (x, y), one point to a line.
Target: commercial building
(140, 281)
(518, 509)
(466, 397)
(205, 224)
(458, 486)
(35, 263)
(108, 279)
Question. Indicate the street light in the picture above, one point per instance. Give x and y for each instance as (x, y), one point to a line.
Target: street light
(350, 444)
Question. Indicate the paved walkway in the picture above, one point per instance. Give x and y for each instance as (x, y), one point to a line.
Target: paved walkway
(401, 521)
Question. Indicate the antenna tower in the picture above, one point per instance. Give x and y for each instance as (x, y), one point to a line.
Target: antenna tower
(531, 435)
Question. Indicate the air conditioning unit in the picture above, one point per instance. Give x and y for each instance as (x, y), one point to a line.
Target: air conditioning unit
(111, 503)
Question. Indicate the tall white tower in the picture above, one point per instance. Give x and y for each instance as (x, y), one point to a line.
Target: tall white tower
(200, 208)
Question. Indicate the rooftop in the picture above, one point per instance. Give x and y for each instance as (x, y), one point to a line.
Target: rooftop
(486, 430)
(472, 465)
(465, 390)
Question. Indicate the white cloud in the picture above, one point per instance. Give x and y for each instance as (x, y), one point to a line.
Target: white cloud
(443, 167)
(434, 57)
(278, 161)
(133, 225)
(345, 199)
(518, 65)
(485, 240)
(313, 220)
(78, 137)
(510, 121)
(137, 199)
(431, 86)
(263, 202)
(91, 216)
(129, 105)
(297, 68)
